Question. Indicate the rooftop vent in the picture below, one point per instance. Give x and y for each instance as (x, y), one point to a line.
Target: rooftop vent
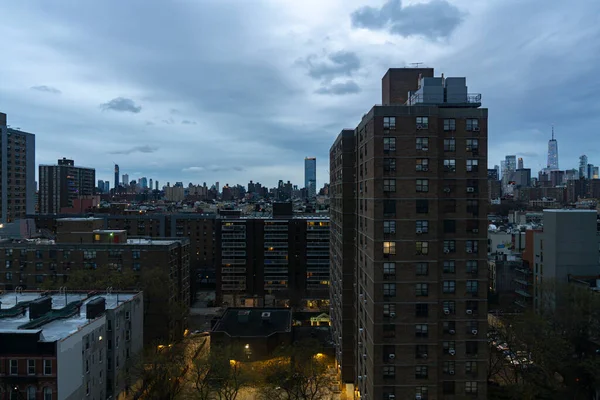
(265, 316)
(39, 307)
(243, 316)
(95, 308)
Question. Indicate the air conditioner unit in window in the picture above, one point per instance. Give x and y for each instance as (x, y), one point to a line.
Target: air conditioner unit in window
(475, 129)
(475, 230)
(446, 311)
(447, 190)
(392, 231)
(452, 352)
(391, 396)
(469, 311)
(451, 372)
(474, 331)
(360, 377)
(365, 301)
(365, 356)
(469, 148)
(419, 127)
(425, 169)
(469, 251)
(419, 231)
(447, 251)
(452, 331)
(360, 343)
(418, 397)
(471, 189)
(424, 355)
(424, 148)
(392, 314)
(391, 356)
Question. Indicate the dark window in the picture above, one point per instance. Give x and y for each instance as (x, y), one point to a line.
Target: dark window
(473, 145)
(449, 327)
(472, 347)
(449, 267)
(389, 208)
(421, 372)
(422, 185)
(421, 269)
(449, 246)
(389, 144)
(389, 331)
(449, 226)
(389, 185)
(450, 124)
(449, 287)
(421, 310)
(389, 371)
(389, 164)
(422, 226)
(422, 143)
(472, 124)
(421, 351)
(472, 267)
(450, 145)
(448, 387)
(422, 206)
(473, 207)
(422, 289)
(449, 367)
(422, 164)
(450, 205)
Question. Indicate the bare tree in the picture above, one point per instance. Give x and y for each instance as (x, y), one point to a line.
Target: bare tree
(298, 373)
(227, 376)
(199, 384)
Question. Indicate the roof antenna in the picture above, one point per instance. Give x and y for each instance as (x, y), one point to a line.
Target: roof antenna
(552, 131)
(416, 64)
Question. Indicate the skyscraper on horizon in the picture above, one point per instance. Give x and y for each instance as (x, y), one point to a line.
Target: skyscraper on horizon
(520, 163)
(116, 176)
(310, 175)
(417, 239)
(17, 172)
(125, 179)
(552, 152)
(583, 162)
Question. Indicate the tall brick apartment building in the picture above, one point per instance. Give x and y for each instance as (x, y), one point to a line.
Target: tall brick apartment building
(418, 230)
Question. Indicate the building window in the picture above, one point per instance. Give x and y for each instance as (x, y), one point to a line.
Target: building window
(8, 252)
(449, 327)
(449, 287)
(450, 145)
(449, 246)
(66, 254)
(422, 164)
(8, 263)
(389, 123)
(472, 287)
(38, 254)
(450, 165)
(421, 350)
(472, 124)
(31, 393)
(389, 144)
(89, 254)
(389, 208)
(471, 387)
(422, 289)
(389, 226)
(449, 206)
(87, 366)
(389, 371)
(388, 309)
(389, 331)
(389, 185)
(136, 266)
(449, 267)
(448, 387)
(471, 246)
(422, 143)
(39, 266)
(47, 367)
(450, 124)
(127, 315)
(422, 269)
(449, 367)
(473, 145)
(472, 348)
(472, 165)
(8, 276)
(30, 367)
(450, 306)
(449, 226)
(421, 391)
(422, 122)
(47, 393)
(14, 367)
(135, 254)
(422, 206)
(389, 164)
(473, 207)
(421, 330)
(389, 289)
(448, 346)
(422, 185)
(422, 248)
(472, 267)
(389, 248)
(389, 269)
(421, 372)
(471, 367)
(421, 310)
(422, 226)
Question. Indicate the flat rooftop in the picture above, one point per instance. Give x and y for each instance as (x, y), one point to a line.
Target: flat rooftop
(250, 322)
(61, 328)
(569, 210)
(163, 242)
(76, 219)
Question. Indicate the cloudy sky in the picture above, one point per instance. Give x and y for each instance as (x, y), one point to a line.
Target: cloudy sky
(233, 90)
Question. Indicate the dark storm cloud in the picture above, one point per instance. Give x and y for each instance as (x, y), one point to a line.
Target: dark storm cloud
(47, 89)
(348, 87)
(433, 20)
(340, 63)
(121, 104)
(136, 149)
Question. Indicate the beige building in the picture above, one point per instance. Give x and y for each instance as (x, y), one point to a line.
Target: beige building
(174, 193)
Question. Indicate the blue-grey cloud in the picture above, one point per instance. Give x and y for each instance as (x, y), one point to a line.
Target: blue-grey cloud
(188, 122)
(340, 63)
(47, 89)
(433, 20)
(121, 104)
(348, 87)
(136, 149)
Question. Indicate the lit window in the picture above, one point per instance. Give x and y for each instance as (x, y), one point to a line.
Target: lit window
(389, 248)
(450, 165)
(472, 165)
(422, 226)
(422, 164)
(422, 248)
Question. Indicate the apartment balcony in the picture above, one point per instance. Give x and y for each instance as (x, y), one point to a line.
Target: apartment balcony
(233, 270)
(233, 228)
(237, 279)
(469, 100)
(233, 287)
(233, 236)
(271, 236)
(276, 286)
(317, 236)
(274, 253)
(522, 282)
(276, 262)
(233, 253)
(318, 228)
(233, 245)
(273, 228)
(276, 245)
(314, 253)
(279, 271)
(317, 245)
(233, 261)
(317, 262)
(522, 293)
